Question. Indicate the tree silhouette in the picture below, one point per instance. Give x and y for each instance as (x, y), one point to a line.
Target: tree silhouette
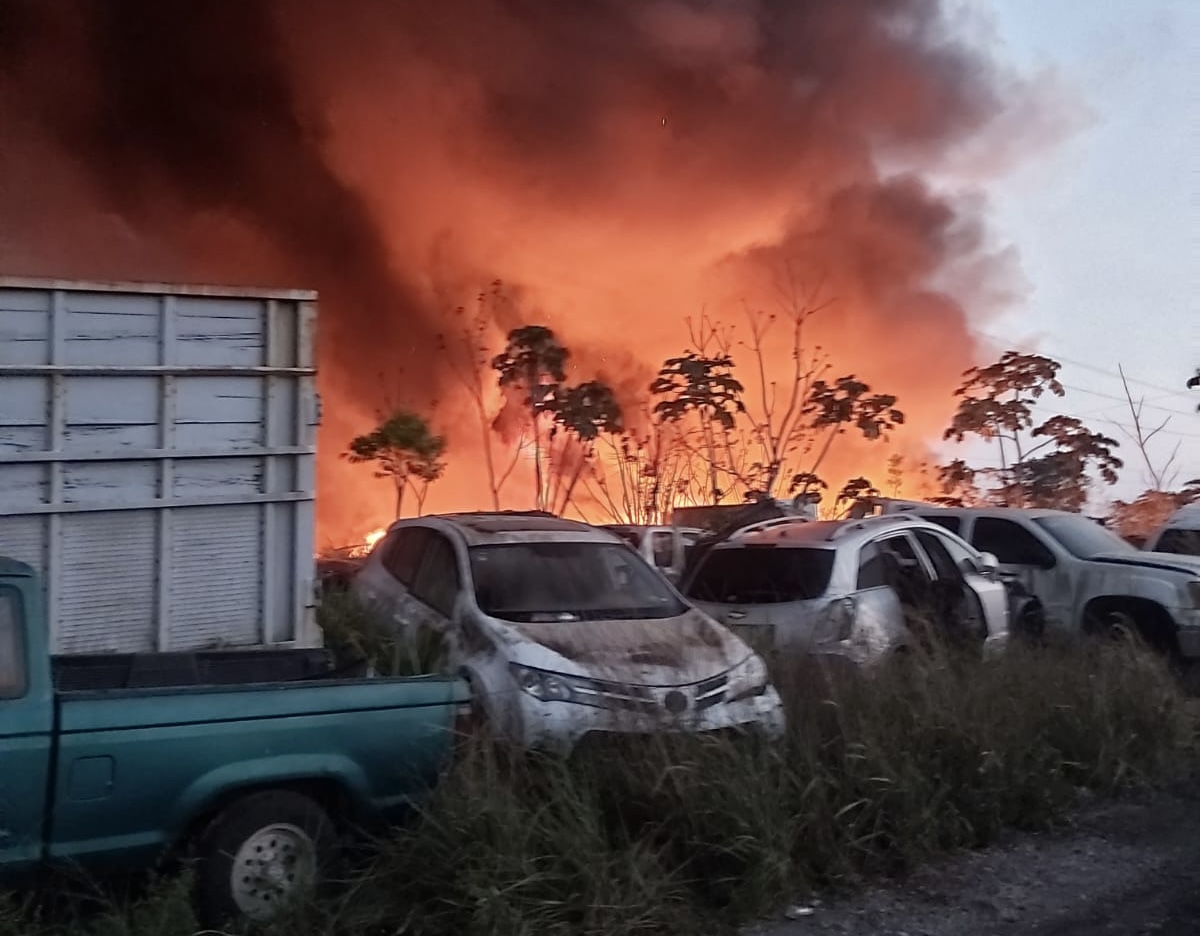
(583, 412)
(533, 362)
(404, 449)
(996, 404)
(695, 383)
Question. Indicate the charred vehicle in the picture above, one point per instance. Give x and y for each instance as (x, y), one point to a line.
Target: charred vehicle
(563, 631)
(858, 590)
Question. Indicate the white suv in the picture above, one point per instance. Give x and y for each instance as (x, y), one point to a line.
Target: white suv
(859, 589)
(562, 630)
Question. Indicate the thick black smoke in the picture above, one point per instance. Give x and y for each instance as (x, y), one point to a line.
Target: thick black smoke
(624, 161)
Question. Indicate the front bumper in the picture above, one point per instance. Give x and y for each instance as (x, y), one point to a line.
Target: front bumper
(558, 727)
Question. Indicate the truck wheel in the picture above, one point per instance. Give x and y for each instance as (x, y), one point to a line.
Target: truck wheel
(261, 853)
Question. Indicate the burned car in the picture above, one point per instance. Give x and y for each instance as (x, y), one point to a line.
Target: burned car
(858, 590)
(563, 631)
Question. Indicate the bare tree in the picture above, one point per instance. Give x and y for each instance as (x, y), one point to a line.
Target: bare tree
(779, 428)
(469, 352)
(641, 473)
(1161, 477)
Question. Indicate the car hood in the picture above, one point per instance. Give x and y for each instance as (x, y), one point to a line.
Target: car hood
(662, 652)
(1166, 562)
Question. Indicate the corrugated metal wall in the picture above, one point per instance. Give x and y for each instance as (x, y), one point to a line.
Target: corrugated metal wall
(156, 461)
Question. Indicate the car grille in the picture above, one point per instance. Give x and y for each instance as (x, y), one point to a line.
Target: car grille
(619, 697)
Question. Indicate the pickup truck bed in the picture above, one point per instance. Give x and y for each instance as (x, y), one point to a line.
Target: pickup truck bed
(204, 668)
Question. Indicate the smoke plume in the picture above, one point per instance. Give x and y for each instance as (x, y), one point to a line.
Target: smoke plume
(625, 163)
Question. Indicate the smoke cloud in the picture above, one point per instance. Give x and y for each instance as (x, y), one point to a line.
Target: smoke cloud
(623, 163)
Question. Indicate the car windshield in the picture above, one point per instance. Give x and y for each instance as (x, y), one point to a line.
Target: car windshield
(1083, 537)
(563, 581)
(1179, 541)
(762, 575)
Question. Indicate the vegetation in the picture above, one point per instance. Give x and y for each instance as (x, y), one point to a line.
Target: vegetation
(404, 449)
(694, 835)
(996, 403)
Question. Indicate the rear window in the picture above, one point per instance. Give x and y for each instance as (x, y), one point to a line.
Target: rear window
(1179, 541)
(951, 522)
(762, 575)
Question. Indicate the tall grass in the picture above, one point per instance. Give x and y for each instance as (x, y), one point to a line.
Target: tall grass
(358, 633)
(684, 835)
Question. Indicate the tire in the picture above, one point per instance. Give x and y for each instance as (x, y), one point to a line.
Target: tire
(1030, 624)
(286, 837)
(1146, 626)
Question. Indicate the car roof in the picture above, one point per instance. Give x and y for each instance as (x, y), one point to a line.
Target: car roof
(1186, 516)
(511, 526)
(982, 511)
(820, 534)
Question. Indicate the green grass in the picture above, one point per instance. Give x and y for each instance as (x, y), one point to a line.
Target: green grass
(680, 836)
(356, 632)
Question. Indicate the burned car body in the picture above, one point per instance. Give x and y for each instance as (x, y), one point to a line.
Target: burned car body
(856, 589)
(563, 630)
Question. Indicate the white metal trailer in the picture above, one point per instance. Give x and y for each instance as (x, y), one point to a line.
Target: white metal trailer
(157, 447)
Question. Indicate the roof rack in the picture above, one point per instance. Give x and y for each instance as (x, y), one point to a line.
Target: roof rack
(856, 525)
(761, 525)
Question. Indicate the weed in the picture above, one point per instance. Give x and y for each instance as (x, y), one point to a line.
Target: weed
(356, 632)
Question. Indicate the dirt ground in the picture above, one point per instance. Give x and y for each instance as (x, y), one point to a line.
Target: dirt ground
(1128, 867)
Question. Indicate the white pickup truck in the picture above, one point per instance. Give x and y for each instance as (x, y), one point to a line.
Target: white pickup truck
(1086, 579)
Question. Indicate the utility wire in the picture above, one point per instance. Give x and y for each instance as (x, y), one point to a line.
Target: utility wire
(1167, 391)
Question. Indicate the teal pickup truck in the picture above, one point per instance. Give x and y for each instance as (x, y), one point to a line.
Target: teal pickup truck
(124, 762)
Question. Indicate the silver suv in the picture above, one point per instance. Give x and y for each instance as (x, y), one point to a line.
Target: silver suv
(1085, 578)
(856, 588)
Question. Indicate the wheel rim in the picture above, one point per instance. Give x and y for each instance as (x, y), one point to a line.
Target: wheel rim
(273, 865)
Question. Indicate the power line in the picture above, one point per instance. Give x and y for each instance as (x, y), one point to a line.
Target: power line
(1167, 391)
(1049, 408)
(1124, 400)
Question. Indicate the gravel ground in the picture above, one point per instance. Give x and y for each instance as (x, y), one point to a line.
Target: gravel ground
(1128, 867)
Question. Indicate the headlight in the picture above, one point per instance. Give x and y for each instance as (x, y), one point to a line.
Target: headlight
(1194, 591)
(747, 680)
(547, 687)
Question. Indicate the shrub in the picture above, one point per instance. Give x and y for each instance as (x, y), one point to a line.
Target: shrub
(358, 633)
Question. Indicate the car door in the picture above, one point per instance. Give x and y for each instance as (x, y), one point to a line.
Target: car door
(986, 607)
(386, 582)
(878, 613)
(1023, 556)
(26, 721)
(435, 590)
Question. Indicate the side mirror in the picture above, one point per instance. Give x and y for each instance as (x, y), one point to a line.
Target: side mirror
(988, 563)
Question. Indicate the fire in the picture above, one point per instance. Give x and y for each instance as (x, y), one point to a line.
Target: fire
(368, 543)
(618, 193)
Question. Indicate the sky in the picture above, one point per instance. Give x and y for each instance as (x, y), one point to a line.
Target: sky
(1105, 221)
